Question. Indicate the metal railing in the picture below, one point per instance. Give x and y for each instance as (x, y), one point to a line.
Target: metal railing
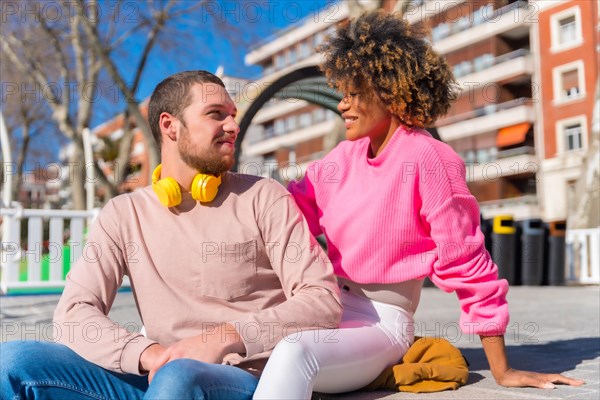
(511, 56)
(485, 14)
(527, 200)
(488, 109)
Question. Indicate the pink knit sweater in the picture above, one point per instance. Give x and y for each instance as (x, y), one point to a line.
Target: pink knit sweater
(405, 214)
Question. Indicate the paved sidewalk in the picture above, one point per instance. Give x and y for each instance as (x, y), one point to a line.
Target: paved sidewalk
(552, 329)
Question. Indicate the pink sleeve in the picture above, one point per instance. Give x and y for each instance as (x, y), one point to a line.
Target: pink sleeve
(303, 192)
(464, 265)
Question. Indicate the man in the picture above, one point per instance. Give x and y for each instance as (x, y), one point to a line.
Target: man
(217, 281)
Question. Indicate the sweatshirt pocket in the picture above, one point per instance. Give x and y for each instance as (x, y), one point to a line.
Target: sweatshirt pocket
(228, 270)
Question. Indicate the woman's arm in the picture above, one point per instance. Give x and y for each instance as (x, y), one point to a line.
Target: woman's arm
(495, 352)
(464, 266)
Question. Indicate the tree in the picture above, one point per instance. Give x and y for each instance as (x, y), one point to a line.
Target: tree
(68, 50)
(25, 121)
(50, 49)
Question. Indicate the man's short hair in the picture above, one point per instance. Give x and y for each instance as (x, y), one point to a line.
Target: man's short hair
(172, 95)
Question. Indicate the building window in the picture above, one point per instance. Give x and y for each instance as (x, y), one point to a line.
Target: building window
(269, 131)
(318, 39)
(462, 24)
(330, 31)
(291, 123)
(573, 137)
(291, 56)
(305, 120)
(470, 157)
(304, 50)
(483, 14)
(483, 155)
(279, 61)
(566, 29)
(279, 127)
(463, 68)
(569, 81)
(571, 134)
(440, 31)
(271, 167)
(319, 115)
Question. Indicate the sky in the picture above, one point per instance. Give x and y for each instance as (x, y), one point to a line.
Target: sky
(218, 33)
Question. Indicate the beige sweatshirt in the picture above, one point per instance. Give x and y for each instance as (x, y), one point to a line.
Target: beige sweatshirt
(246, 258)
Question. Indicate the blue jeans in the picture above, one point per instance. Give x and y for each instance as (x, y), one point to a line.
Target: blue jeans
(53, 371)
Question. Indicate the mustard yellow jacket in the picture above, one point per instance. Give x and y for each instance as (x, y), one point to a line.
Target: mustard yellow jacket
(430, 365)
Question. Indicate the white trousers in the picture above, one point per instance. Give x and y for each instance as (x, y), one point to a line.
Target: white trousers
(372, 336)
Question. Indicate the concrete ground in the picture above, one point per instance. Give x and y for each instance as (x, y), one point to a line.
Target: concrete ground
(552, 329)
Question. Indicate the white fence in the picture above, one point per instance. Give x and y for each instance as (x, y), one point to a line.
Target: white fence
(582, 252)
(583, 255)
(40, 251)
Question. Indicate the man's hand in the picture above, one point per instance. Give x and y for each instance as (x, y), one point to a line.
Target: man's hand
(211, 346)
(516, 378)
(150, 356)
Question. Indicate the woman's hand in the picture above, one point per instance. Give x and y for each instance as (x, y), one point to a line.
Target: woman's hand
(516, 378)
(495, 352)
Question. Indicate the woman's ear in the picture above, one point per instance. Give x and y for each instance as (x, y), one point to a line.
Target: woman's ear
(168, 126)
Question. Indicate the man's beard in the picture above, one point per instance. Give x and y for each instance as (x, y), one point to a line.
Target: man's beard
(211, 162)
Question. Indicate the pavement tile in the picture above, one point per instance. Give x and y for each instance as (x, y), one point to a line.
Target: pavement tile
(552, 329)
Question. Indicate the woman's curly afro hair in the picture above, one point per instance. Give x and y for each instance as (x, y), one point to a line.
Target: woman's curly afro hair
(380, 53)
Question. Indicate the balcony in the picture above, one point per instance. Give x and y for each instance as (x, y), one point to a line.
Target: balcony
(301, 30)
(278, 109)
(290, 139)
(518, 161)
(500, 69)
(514, 18)
(523, 207)
(419, 10)
(487, 119)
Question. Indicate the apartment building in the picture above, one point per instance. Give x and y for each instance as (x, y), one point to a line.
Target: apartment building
(492, 124)
(290, 132)
(526, 71)
(567, 39)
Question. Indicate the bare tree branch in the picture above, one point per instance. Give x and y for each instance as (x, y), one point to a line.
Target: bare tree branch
(60, 111)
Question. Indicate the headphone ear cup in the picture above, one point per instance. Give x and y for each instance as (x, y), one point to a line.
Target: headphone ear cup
(205, 187)
(168, 191)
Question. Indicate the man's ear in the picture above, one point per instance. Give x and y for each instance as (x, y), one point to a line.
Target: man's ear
(168, 125)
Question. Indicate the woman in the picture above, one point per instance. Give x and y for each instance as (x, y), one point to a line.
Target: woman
(394, 207)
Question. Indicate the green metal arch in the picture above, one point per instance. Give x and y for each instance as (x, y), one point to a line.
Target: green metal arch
(306, 83)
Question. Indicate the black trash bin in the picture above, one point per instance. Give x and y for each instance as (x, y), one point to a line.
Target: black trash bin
(532, 252)
(503, 246)
(556, 253)
(486, 229)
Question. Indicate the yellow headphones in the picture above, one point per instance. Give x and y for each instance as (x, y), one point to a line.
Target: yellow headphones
(204, 188)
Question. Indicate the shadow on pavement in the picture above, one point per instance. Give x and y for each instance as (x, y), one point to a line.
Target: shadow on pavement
(552, 357)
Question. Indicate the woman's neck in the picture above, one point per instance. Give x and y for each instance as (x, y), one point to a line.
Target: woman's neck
(378, 143)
